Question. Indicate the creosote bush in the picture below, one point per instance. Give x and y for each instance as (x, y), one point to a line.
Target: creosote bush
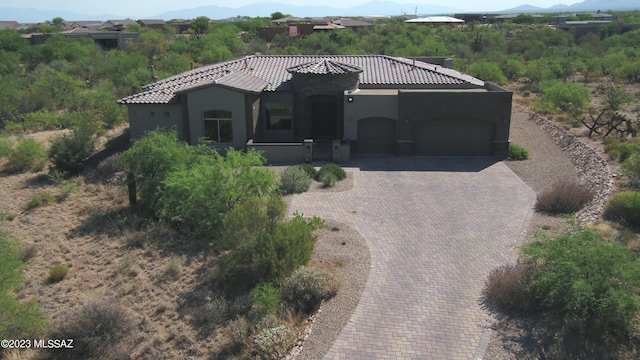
(295, 180)
(40, 199)
(28, 155)
(564, 197)
(517, 152)
(334, 169)
(624, 207)
(69, 151)
(307, 288)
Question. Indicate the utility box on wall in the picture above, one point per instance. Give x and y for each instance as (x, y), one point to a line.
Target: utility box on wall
(308, 150)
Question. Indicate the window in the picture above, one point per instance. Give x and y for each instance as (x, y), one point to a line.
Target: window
(278, 116)
(218, 126)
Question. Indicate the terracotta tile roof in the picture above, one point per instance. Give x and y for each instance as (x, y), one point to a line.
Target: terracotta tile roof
(325, 67)
(257, 73)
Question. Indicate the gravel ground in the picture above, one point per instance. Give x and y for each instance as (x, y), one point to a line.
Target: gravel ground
(547, 165)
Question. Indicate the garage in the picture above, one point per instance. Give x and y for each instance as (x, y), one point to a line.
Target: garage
(376, 135)
(453, 138)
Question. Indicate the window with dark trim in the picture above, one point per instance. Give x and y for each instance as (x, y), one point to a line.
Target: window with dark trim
(278, 116)
(218, 126)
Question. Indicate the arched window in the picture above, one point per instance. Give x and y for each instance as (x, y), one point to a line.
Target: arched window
(218, 126)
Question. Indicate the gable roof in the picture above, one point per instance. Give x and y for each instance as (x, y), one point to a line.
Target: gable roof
(257, 73)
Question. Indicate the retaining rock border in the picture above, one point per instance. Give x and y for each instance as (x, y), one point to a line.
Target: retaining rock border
(593, 171)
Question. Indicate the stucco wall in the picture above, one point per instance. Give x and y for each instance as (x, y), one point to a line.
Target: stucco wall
(367, 103)
(217, 98)
(147, 117)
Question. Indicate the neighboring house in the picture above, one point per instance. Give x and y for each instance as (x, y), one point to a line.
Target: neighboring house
(437, 21)
(88, 24)
(116, 25)
(13, 25)
(304, 108)
(581, 28)
(596, 16)
(352, 24)
(106, 39)
(152, 23)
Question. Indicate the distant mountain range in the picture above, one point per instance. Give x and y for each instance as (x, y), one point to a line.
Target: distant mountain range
(372, 8)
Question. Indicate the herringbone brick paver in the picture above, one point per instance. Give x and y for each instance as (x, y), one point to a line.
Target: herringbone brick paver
(435, 228)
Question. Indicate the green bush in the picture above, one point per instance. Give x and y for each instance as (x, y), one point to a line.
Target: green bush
(99, 330)
(307, 288)
(19, 320)
(28, 154)
(560, 96)
(334, 169)
(624, 207)
(266, 300)
(6, 147)
(265, 249)
(309, 169)
(586, 278)
(564, 197)
(69, 151)
(274, 343)
(58, 272)
(295, 180)
(40, 199)
(517, 152)
(328, 179)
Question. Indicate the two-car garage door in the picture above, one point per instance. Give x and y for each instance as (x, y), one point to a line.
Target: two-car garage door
(453, 138)
(432, 138)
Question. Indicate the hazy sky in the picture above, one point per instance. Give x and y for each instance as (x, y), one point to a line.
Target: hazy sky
(150, 7)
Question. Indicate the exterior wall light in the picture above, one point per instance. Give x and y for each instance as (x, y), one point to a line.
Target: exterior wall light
(350, 99)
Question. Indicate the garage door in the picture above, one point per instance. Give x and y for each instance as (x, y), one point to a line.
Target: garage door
(377, 136)
(453, 138)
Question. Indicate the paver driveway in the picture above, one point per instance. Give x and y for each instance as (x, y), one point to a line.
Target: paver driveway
(435, 228)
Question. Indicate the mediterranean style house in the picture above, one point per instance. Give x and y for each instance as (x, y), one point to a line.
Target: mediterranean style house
(305, 108)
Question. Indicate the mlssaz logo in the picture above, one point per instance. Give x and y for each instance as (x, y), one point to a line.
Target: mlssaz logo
(54, 344)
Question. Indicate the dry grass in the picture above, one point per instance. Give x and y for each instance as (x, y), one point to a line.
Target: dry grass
(109, 252)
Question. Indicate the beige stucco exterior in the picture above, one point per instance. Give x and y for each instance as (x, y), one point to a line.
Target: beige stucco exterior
(149, 117)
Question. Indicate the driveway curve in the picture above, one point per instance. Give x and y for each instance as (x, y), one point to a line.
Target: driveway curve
(435, 228)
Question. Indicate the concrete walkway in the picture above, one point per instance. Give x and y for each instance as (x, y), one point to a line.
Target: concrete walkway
(435, 228)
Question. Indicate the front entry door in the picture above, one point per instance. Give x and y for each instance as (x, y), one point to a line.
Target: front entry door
(324, 119)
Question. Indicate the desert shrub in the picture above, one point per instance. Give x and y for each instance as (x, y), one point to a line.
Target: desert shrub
(334, 169)
(620, 150)
(560, 96)
(273, 343)
(309, 169)
(564, 197)
(174, 268)
(58, 272)
(110, 165)
(66, 188)
(624, 207)
(69, 151)
(507, 288)
(213, 311)
(517, 152)
(294, 180)
(307, 288)
(6, 147)
(328, 179)
(198, 198)
(39, 199)
(239, 330)
(28, 155)
(266, 300)
(27, 252)
(265, 249)
(585, 278)
(631, 165)
(97, 328)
